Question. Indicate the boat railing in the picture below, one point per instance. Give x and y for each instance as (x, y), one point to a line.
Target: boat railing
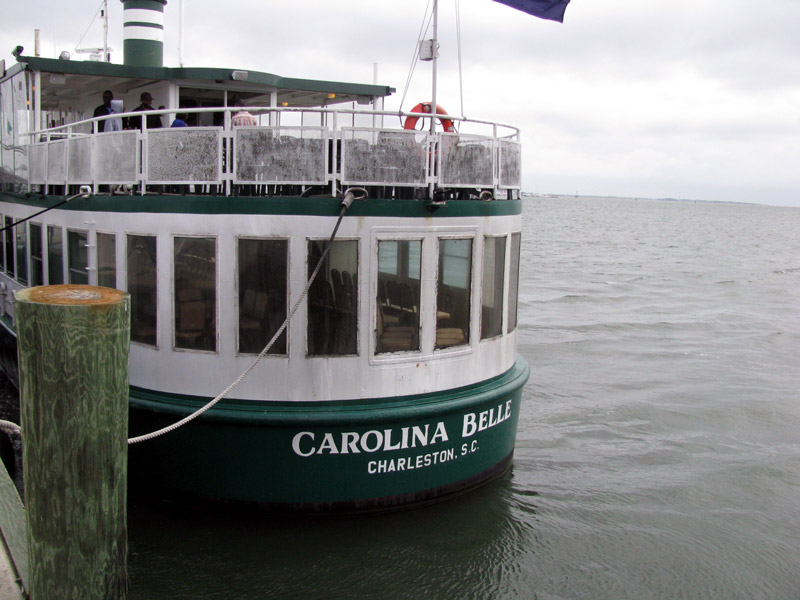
(289, 147)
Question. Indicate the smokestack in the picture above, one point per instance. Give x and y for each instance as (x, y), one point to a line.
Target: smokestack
(143, 32)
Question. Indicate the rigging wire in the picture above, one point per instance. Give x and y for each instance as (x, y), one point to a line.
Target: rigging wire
(423, 28)
(458, 44)
(426, 23)
(97, 12)
(85, 192)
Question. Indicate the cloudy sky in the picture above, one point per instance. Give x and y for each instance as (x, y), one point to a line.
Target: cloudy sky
(695, 99)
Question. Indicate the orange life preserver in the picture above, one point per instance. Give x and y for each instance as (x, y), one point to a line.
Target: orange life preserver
(425, 107)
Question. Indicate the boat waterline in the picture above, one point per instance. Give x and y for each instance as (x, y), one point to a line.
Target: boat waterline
(331, 456)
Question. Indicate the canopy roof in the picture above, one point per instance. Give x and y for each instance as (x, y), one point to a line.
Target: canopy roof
(79, 79)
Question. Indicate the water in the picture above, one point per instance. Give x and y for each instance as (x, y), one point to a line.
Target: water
(658, 454)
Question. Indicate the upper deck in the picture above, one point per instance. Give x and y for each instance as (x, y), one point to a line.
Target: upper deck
(405, 304)
(309, 137)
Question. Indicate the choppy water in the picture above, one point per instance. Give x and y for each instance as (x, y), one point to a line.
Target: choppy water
(658, 454)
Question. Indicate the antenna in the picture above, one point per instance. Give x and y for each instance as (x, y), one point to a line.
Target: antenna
(97, 54)
(104, 13)
(435, 49)
(180, 33)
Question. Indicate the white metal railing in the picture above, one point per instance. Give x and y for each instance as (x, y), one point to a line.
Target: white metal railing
(331, 152)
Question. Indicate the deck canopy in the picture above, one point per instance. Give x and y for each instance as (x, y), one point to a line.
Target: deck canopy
(67, 81)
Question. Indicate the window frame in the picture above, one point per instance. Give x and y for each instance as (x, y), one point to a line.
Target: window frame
(70, 268)
(157, 332)
(499, 332)
(174, 297)
(358, 301)
(237, 295)
(471, 294)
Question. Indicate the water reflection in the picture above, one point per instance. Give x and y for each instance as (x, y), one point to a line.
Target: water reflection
(466, 547)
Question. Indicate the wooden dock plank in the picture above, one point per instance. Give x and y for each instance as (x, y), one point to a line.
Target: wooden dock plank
(12, 525)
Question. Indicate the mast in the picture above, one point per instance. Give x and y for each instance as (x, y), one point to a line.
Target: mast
(434, 60)
(180, 33)
(106, 54)
(435, 53)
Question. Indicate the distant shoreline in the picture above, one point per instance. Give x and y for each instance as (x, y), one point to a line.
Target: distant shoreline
(530, 195)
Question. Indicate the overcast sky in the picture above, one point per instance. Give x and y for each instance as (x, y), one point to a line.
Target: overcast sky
(694, 99)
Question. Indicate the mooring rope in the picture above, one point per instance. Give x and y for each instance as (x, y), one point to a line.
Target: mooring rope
(349, 196)
(9, 427)
(85, 192)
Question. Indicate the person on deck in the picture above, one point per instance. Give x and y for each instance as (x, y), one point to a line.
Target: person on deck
(103, 110)
(153, 121)
(242, 118)
(115, 123)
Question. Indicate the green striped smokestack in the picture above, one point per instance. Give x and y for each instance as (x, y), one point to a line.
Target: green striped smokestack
(143, 32)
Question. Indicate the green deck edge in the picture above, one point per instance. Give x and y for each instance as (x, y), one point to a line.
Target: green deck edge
(247, 205)
(365, 411)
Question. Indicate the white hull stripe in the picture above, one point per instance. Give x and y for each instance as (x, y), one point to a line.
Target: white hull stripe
(141, 15)
(135, 32)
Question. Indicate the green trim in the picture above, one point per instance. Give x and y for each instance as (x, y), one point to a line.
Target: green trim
(302, 460)
(103, 69)
(144, 53)
(245, 205)
(143, 24)
(157, 5)
(364, 411)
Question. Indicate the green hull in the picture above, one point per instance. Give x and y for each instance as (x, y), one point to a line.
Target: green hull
(338, 456)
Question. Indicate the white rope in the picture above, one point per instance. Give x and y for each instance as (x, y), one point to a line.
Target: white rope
(9, 427)
(200, 411)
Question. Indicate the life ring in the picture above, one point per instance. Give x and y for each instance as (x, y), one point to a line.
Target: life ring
(425, 107)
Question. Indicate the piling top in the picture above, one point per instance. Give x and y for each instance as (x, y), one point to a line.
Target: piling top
(71, 294)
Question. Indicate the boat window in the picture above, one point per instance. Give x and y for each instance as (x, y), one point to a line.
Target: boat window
(9, 247)
(397, 318)
(453, 292)
(77, 257)
(55, 256)
(513, 282)
(494, 266)
(142, 286)
(22, 253)
(333, 299)
(195, 293)
(107, 260)
(262, 294)
(37, 265)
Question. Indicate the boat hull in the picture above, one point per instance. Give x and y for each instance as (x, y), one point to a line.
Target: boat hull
(343, 456)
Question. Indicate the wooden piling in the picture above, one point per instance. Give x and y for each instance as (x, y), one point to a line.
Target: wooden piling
(73, 369)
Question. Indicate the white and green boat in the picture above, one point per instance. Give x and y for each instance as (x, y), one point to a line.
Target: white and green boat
(397, 379)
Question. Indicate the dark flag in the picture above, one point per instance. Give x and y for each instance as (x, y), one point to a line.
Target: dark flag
(544, 9)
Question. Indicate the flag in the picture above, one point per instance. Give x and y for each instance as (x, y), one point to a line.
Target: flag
(544, 9)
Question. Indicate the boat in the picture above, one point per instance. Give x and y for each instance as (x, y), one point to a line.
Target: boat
(356, 278)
